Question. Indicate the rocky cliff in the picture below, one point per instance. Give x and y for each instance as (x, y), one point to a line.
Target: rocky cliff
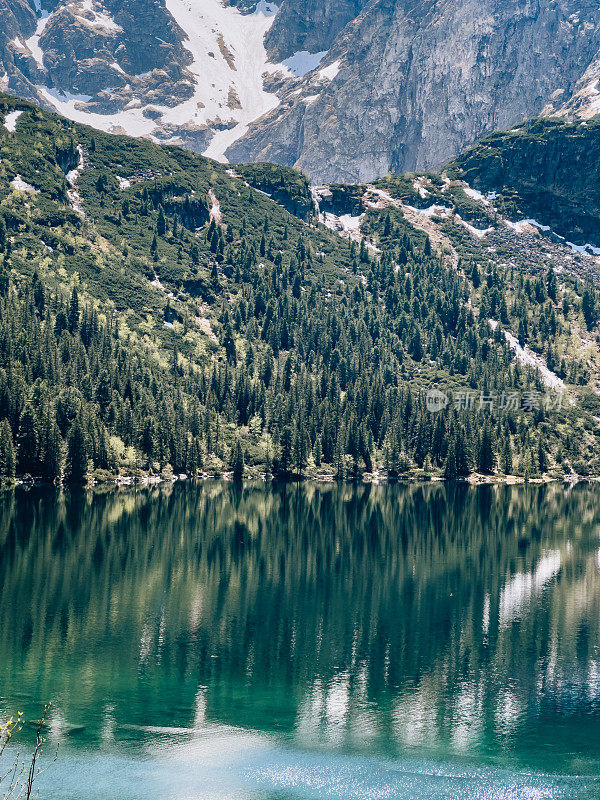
(584, 102)
(306, 25)
(173, 70)
(407, 84)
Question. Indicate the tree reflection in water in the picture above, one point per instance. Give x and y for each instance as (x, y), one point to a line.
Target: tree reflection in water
(429, 619)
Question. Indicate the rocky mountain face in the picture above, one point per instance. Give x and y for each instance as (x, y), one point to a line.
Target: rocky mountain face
(306, 25)
(407, 84)
(584, 102)
(345, 90)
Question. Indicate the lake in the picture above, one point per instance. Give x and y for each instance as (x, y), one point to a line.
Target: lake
(214, 642)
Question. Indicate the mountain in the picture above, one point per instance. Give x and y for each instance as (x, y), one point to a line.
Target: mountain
(162, 312)
(306, 26)
(407, 85)
(344, 91)
(174, 70)
(584, 101)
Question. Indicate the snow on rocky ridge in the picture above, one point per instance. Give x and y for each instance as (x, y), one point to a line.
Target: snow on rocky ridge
(225, 74)
(528, 358)
(72, 178)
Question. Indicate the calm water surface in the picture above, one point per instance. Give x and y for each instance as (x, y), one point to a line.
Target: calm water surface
(218, 643)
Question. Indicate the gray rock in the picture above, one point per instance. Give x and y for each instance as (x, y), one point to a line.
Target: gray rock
(418, 81)
(584, 102)
(309, 25)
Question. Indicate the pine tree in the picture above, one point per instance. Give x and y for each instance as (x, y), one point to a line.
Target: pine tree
(353, 442)
(77, 455)
(300, 447)
(507, 458)
(2, 234)
(552, 284)
(50, 447)
(39, 295)
(28, 442)
(339, 461)
(318, 452)
(73, 314)
(542, 457)
(237, 460)
(475, 277)
(589, 308)
(451, 468)
(161, 223)
(229, 343)
(103, 394)
(285, 450)
(458, 461)
(387, 225)
(194, 457)
(7, 452)
(486, 458)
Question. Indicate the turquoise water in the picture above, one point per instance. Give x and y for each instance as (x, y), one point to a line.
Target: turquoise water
(306, 642)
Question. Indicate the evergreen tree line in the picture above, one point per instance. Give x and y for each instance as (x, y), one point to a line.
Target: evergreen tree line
(304, 379)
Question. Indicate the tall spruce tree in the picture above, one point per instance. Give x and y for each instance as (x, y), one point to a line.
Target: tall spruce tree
(237, 460)
(7, 452)
(486, 458)
(28, 443)
(76, 468)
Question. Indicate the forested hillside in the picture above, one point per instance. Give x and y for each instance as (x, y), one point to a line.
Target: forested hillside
(159, 314)
(548, 168)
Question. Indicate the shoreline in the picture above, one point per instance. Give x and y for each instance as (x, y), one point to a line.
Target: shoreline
(146, 481)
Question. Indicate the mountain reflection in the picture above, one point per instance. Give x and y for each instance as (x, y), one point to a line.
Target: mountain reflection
(449, 620)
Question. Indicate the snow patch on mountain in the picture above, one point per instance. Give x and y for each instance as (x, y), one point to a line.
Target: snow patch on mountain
(228, 53)
(532, 225)
(475, 195)
(96, 19)
(418, 185)
(66, 97)
(10, 121)
(329, 72)
(33, 43)
(215, 209)
(526, 226)
(72, 178)
(310, 99)
(19, 185)
(129, 121)
(528, 358)
(432, 211)
(73, 175)
(478, 233)
(346, 225)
